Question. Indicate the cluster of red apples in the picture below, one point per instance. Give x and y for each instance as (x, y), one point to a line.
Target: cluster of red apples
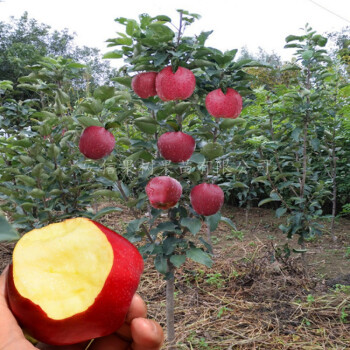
(163, 191)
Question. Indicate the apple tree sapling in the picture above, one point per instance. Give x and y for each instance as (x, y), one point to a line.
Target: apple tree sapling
(188, 70)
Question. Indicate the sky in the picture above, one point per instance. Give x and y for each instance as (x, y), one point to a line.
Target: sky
(236, 23)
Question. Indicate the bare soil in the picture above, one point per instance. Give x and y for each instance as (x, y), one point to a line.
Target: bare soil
(253, 297)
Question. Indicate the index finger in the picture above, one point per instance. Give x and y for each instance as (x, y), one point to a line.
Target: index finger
(137, 309)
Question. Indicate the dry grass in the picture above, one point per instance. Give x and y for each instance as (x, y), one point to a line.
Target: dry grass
(250, 304)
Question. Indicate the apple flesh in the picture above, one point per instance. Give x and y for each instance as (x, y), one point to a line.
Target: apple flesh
(221, 105)
(144, 84)
(207, 199)
(176, 146)
(175, 86)
(96, 142)
(163, 192)
(72, 281)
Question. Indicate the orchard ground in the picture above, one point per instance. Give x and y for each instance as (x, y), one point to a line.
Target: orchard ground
(252, 298)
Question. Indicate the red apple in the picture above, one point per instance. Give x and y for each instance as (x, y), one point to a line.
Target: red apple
(176, 146)
(163, 192)
(207, 199)
(144, 84)
(175, 86)
(72, 281)
(221, 105)
(96, 142)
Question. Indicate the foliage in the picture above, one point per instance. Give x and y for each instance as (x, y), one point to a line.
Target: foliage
(24, 42)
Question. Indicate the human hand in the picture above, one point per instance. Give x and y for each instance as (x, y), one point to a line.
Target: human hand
(137, 333)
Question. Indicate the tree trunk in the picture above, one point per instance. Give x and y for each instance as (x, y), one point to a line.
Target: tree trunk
(170, 319)
(334, 185)
(209, 238)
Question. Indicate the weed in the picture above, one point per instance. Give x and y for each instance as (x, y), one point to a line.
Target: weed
(310, 298)
(215, 279)
(222, 310)
(215, 239)
(344, 316)
(340, 288)
(347, 253)
(235, 235)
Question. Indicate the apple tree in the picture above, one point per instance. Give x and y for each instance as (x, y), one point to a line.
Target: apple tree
(180, 84)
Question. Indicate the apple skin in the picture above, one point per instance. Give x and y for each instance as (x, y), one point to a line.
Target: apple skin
(176, 146)
(144, 84)
(96, 142)
(175, 86)
(207, 199)
(104, 317)
(221, 105)
(163, 192)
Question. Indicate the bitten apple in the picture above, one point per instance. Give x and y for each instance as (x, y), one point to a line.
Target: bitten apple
(144, 84)
(221, 105)
(163, 192)
(207, 199)
(96, 142)
(72, 281)
(176, 146)
(175, 86)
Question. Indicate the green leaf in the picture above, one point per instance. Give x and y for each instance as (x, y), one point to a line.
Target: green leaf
(228, 222)
(37, 193)
(162, 18)
(76, 65)
(213, 221)
(106, 193)
(193, 224)
(7, 232)
(145, 155)
(177, 260)
(197, 158)
(199, 256)
(91, 106)
(103, 93)
(88, 121)
(315, 143)
(280, 212)
(126, 81)
(23, 143)
(299, 251)
(27, 180)
(238, 184)
(105, 211)
(266, 200)
(296, 134)
(161, 264)
(113, 54)
(156, 34)
(132, 27)
(290, 38)
(307, 55)
(230, 123)
(146, 125)
(345, 91)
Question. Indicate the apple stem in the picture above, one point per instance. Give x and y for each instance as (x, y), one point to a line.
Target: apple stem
(170, 319)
